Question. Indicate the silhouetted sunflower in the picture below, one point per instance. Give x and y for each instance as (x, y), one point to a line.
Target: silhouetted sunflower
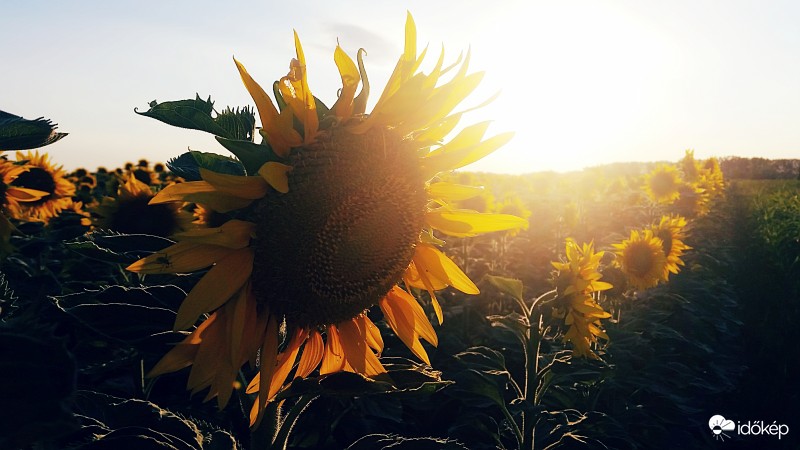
(327, 228)
(130, 212)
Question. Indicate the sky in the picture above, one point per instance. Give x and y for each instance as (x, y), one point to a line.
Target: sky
(581, 83)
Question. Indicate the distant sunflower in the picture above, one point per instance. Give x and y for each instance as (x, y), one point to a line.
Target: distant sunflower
(10, 198)
(689, 167)
(577, 280)
(642, 259)
(711, 177)
(10, 195)
(326, 229)
(663, 184)
(130, 212)
(671, 231)
(41, 175)
(693, 200)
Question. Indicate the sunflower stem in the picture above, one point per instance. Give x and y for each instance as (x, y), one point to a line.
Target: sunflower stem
(264, 436)
(286, 426)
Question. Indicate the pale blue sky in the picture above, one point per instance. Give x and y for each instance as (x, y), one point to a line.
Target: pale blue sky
(582, 82)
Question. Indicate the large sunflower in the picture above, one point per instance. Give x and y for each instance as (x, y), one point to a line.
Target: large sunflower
(343, 211)
(129, 212)
(641, 258)
(41, 175)
(670, 230)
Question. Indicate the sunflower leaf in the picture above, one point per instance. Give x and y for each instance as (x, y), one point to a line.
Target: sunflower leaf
(510, 286)
(252, 155)
(17, 133)
(197, 115)
(113, 247)
(188, 165)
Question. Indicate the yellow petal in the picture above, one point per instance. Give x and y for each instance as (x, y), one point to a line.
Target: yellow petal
(286, 360)
(350, 78)
(249, 187)
(232, 234)
(295, 91)
(275, 174)
(432, 260)
(22, 194)
(218, 201)
(280, 138)
(401, 321)
(216, 287)
(374, 338)
(333, 360)
(452, 160)
(178, 192)
(312, 355)
(450, 192)
(464, 223)
(179, 258)
(356, 350)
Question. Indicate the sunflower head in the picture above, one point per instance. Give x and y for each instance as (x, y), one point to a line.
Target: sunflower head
(689, 167)
(129, 212)
(578, 284)
(336, 215)
(671, 231)
(663, 184)
(641, 258)
(42, 176)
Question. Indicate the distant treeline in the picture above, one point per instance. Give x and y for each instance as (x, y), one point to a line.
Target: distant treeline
(734, 167)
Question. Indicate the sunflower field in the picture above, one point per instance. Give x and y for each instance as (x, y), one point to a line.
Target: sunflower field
(334, 279)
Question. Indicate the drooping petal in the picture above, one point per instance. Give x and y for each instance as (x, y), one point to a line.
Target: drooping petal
(312, 355)
(430, 259)
(358, 354)
(180, 258)
(333, 360)
(216, 287)
(286, 360)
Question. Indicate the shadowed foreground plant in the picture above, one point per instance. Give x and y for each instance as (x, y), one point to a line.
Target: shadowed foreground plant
(336, 213)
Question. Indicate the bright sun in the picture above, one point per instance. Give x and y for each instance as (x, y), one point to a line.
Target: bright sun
(577, 84)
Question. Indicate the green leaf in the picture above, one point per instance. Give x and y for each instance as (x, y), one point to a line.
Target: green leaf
(197, 115)
(510, 286)
(17, 133)
(132, 418)
(252, 155)
(113, 247)
(125, 314)
(188, 165)
(394, 442)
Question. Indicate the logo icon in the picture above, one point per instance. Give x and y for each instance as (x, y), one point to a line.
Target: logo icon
(719, 425)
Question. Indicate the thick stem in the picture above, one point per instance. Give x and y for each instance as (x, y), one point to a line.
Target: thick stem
(282, 438)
